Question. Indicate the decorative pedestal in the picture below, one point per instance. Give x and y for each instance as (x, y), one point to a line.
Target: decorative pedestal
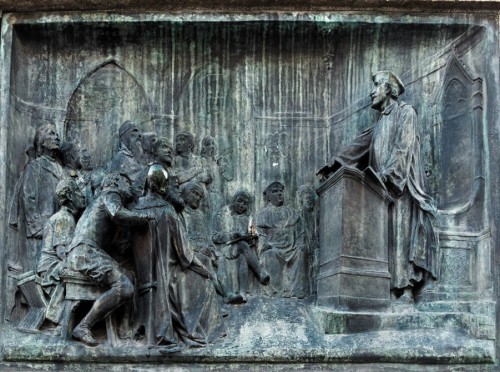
(354, 221)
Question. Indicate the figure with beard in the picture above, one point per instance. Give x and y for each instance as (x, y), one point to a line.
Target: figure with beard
(87, 252)
(200, 238)
(57, 236)
(92, 176)
(392, 148)
(284, 253)
(177, 292)
(235, 239)
(129, 159)
(164, 154)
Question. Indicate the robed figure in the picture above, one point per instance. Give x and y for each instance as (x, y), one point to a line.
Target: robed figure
(392, 148)
(178, 297)
(35, 199)
(284, 254)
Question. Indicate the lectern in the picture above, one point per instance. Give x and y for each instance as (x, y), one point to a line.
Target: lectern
(354, 240)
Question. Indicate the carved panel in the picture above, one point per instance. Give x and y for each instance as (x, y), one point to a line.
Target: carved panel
(104, 99)
(460, 160)
(455, 267)
(264, 108)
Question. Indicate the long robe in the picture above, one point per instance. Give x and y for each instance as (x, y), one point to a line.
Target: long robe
(286, 261)
(226, 223)
(392, 148)
(35, 203)
(185, 303)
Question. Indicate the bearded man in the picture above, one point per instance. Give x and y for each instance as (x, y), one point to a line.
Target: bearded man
(130, 158)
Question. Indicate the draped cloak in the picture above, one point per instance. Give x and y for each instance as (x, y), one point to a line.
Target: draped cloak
(184, 304)
(286, 261)
(392, 148)
(34, 203)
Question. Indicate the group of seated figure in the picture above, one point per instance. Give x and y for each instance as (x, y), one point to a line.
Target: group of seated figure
(152, 227)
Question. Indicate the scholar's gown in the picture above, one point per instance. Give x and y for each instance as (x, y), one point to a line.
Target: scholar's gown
(184, 304)
(392, 148)
(286, 261)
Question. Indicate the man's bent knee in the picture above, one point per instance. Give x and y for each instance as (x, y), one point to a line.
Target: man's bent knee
(119, 280)
(126, 288)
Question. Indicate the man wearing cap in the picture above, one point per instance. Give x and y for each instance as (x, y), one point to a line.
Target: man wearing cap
(392, 148)
(129, 159)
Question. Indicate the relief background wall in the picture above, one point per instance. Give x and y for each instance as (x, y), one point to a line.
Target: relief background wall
(281, 93)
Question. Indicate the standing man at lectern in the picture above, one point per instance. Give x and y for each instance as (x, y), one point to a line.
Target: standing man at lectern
(392, 148)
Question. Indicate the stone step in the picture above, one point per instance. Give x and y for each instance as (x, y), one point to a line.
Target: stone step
(339, 322)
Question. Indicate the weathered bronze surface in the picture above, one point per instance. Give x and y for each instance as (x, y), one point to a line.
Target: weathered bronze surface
(229, 188)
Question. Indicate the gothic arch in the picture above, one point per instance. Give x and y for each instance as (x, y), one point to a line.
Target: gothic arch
(460, 150)
(106, 97)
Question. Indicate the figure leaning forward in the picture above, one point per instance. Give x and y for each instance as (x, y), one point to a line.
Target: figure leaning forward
(87, 252)
(392, 148)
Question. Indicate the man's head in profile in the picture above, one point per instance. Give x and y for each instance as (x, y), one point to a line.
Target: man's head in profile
(119, 183)
(70, 196)
(131, 138)
(46, 139)
(387, 87)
